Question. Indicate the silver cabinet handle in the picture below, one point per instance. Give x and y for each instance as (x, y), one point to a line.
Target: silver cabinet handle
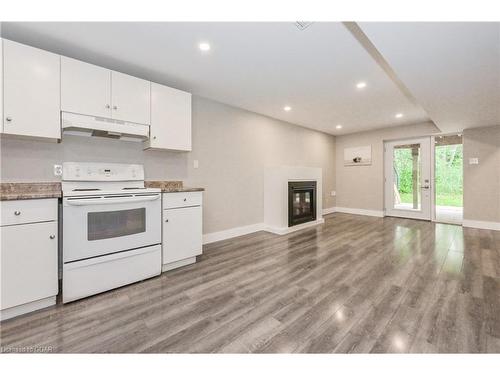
(115, 107)
(154, 137)
(8, 119)
(185, 199)
(17, 213)
(108, 106)
(166, 221)
(52, 236)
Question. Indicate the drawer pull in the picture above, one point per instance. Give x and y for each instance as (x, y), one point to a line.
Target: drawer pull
(166, 221)
(17, 213)
(185, 199)
(52, 236)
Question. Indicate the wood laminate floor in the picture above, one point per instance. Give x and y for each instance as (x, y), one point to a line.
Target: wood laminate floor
(354, 284)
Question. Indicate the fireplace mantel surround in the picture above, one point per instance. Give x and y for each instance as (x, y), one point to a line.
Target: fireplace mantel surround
(276, 179)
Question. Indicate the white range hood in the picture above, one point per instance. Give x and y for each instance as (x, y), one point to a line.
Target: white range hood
(88, 126)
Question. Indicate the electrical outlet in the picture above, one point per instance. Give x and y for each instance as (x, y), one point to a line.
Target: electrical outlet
(473, 161)
(58, 170)
(333, 193)
(195, 164)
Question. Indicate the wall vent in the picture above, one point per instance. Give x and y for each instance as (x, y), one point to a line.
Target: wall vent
(302, 25)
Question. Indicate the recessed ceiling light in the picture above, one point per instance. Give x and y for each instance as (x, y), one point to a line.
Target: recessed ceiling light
(338, 126)
(204, 46)
(398, 115)
(361, 85)
(287, 108)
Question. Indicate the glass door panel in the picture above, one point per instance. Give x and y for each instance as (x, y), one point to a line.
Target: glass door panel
(407, 169)
(407, 178)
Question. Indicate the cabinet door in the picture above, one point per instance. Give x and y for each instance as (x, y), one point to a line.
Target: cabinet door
(170, 118)
(31, 91)
(28, 263)
(130, 98)
(1, 84)
(182, 233)
(85, 88)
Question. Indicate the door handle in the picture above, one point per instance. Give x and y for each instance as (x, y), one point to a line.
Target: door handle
(99, 201)
(425, 187)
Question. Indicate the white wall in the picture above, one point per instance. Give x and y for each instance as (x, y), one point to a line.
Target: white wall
(482, 181)
(362, 187)
(233, 147)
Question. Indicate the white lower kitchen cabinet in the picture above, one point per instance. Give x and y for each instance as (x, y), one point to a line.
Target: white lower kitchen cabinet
(28, 260)
(182, 229)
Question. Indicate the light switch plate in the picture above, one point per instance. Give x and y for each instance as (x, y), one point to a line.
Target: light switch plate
(58, 170)
(196, 164)
(473, 161)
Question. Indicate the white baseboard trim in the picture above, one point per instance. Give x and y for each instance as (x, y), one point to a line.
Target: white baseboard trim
(329, 210)
(179, 263)
(286, 230)
(247, 229)
(359, 211)
(233, 232)
(491, 225)
(27, 308)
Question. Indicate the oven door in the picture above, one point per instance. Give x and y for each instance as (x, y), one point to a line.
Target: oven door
(99, 225)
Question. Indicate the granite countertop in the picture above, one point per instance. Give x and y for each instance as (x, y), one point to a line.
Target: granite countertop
(29, 190)
(171, 186)
(39, 190)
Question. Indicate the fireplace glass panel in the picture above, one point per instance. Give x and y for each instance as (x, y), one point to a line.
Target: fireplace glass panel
(301, 202)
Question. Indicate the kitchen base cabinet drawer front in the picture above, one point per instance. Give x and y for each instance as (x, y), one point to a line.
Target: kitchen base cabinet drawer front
(28, 263)
(96, 275)
(28, 211)
(174, 200)
(182, 233)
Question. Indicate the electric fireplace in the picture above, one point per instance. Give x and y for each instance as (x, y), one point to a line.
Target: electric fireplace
(301, 202)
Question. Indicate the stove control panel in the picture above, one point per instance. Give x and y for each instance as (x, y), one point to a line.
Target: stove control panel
(102, 172)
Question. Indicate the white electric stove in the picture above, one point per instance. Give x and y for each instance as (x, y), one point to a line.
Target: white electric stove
(111, 228)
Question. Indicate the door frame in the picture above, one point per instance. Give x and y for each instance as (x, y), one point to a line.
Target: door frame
(431, 174)
(433, 169)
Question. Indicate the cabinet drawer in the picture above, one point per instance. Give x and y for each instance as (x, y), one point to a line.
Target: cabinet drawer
(28, 211)
(174, 200)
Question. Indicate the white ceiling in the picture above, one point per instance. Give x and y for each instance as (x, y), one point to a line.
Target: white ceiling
(452, 69)
(260, 67)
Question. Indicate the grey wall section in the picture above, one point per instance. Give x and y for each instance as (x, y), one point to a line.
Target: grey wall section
(362, 187)
(482, 181)
(233, 147)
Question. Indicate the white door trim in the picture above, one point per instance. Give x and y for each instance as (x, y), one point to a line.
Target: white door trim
(425, 213)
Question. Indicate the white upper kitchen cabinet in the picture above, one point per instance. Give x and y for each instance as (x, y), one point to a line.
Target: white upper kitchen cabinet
(31, 91)
(92, 90)
(130, 98)
(170, 119)
(85, 88)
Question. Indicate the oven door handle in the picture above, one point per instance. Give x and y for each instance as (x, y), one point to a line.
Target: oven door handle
(98, 201)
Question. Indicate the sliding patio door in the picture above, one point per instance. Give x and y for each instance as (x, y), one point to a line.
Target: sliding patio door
(408, 188)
